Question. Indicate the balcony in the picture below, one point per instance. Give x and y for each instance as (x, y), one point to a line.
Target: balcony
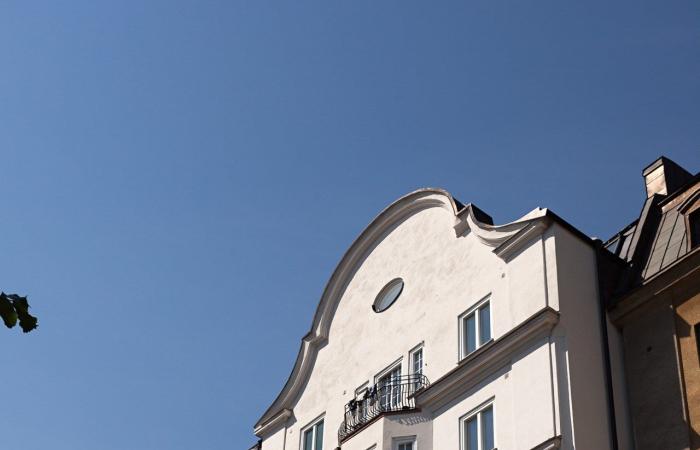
(395, 395)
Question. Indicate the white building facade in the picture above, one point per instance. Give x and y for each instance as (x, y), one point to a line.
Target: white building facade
(439, 330)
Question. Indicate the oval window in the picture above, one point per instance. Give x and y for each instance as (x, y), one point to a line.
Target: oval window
(388, 295)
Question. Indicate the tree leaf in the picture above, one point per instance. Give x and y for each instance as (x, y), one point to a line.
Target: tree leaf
(26, 321)
(7, 311)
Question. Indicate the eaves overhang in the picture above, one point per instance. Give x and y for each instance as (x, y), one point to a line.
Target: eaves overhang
(278, 419)
(684, 270)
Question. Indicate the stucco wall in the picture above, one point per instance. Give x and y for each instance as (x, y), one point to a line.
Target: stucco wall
(418, 424)
(617, 368)
(444, 276)
(370, 436)
(582, 343)
(276, 441)
(522, 402)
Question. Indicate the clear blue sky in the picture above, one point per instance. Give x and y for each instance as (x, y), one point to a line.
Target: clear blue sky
(180, 178)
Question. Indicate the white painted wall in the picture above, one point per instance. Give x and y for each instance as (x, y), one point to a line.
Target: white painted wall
(622, 412)
(370, 436)
(276, 441)
(444, 276)
(580, 342)
(521, 394)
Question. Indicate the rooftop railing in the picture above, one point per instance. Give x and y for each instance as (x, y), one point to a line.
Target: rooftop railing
(386, 396)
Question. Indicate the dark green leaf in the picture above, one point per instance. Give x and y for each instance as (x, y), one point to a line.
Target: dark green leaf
(26, 321)
(7, 311)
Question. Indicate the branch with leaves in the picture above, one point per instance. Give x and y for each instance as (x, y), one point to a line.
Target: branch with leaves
(14, 308)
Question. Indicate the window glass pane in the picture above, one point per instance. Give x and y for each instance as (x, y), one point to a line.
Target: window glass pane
(418, 362)
(389, 389)
(417, 368)
(694, 222)
(469, 334)
(484, 323)
(384, 392)
(309, 439)
(319, 436)
(487, 428)
(395, 386)
(388, 295)
(470, 434)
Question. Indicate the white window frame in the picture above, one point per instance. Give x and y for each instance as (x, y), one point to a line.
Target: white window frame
(412, 358)
(474, 309)
(360, 391)
(412, 361)
(359, 396)
(393, 366)
(312, 426)
(389, 368)
(404, 440)
(476, 412)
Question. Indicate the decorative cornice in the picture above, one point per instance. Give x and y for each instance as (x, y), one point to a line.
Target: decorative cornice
(278, 419)
(499, 237)
(531, 231)
(487, 359)
(506, 239)
(398, 211)
(689, 202)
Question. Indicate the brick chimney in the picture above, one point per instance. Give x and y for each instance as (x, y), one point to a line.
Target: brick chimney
(664, 176)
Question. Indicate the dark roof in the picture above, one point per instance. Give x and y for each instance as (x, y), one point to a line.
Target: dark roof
(656, 240)
(619, 245)
(669, 244)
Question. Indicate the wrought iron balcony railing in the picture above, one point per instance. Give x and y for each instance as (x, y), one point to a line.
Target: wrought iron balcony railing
(386, 396)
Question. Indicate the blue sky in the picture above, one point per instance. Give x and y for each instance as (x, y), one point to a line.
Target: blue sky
(180, 178)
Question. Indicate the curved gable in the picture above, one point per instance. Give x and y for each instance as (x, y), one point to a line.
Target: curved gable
(504, 241)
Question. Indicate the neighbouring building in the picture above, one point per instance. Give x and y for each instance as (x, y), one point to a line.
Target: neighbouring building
(439, 330)
(655, 302)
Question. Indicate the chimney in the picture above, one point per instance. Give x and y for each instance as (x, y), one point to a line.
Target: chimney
(664, 176)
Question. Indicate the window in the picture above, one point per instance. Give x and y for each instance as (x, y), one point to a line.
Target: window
(407, 443)
(475, 328)
(477, 430)
(389, 389)
(694, 228)
(388, 295)
(417, 367)
(313, 437)
(361, 403)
